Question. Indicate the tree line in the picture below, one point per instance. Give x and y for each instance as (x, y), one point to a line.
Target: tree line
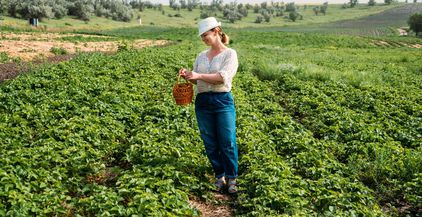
(82, 9)
(122, 10)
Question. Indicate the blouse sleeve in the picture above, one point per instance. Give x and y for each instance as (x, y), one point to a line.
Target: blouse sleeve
(229, 67)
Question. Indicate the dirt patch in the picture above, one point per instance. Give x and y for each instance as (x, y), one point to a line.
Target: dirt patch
(11, 70)
(43, 36)
(210, 210)
(402, 31)
(27, 51)
(35, 48)
(28, 47)
(386, 44)
(383, 43)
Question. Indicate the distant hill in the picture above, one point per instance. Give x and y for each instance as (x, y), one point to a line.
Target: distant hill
(394, 17)
(378, 24)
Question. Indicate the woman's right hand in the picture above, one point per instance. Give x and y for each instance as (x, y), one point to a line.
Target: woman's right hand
(182, 72)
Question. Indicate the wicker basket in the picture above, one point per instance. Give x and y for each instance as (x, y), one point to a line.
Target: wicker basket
(183, 92)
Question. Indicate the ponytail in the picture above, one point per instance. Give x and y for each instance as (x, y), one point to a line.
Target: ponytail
(224, 37)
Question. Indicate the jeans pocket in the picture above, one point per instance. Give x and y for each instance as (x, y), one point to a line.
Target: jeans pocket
(228, 99)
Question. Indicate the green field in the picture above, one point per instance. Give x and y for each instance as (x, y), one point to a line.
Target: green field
(328, 125)
(381, 24)
(189, 19)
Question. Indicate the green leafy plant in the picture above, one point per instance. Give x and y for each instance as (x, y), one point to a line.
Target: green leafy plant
(58, 50)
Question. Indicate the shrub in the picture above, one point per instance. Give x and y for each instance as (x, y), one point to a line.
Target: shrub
(259, 19)
(4, 57)
(58, 50)
(123, 46)
(293, 16)
(353, 3)
(415, 23)
(267, 17)
(59, 11)
(371, 3)
(316, 10)
(290, 7)
(323, 8)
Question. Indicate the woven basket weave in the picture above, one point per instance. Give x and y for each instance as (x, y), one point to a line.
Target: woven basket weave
(182, 92)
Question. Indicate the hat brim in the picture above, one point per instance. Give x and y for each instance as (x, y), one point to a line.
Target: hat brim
(211, 27)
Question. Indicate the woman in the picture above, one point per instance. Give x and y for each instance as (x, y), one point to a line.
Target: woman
(213, 72)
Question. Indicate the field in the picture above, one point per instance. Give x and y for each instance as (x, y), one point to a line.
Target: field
(328, 125)
(189, 19)
(381, 24)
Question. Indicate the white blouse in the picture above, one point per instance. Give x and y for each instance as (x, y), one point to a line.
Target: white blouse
(225, 63)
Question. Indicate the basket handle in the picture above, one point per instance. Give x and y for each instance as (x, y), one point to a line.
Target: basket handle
(178, 79)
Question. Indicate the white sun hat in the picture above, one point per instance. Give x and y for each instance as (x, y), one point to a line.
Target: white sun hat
(207, 24)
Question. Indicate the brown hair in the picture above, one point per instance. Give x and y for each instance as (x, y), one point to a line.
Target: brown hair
(224, 37)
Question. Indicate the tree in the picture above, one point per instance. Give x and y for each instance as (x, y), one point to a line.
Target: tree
(243, 11)
(259, 19)
(12, 7)
(120, 11)
(353, 3)
(82, 9)
(290, 7)
(183, 4)
(192, 4)
(293, 16)
(256, 8)
(279, 13)
(371, 3)
(415, 23)
(316, 10)
(171, 3)
(3, 4)
(35, 9)
(264, 5)
(323, 8)
(59, 8)
(388, 2)
(267, 17)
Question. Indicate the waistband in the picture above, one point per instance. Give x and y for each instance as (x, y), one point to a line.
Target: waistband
(212, 93)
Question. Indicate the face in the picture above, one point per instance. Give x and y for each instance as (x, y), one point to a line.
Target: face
(209, 37)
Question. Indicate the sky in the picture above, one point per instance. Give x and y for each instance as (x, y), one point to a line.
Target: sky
(166, 2)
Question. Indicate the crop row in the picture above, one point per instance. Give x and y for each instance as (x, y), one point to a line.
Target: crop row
(101, 135)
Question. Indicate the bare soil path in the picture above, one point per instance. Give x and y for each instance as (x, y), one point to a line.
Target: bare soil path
(212, 210)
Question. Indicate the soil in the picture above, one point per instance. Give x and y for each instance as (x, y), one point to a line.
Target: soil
(211, 210)
(11, 70)
(34, 48)
(402, 31)
(27, 46)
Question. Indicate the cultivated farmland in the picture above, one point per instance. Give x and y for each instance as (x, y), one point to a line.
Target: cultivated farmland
(328, 125)
(385, 23)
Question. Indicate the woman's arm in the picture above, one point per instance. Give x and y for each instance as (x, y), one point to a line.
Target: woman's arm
(214, 78)
(192, 76)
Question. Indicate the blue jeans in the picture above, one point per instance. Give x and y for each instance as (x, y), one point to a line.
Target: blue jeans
(216, 116)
